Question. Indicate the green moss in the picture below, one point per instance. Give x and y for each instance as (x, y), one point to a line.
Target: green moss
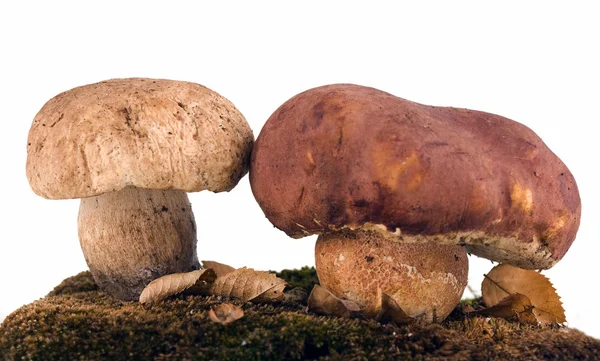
(77, 324)
(306, 278)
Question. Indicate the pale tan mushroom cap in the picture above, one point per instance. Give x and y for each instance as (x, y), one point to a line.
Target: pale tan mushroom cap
(147, 133)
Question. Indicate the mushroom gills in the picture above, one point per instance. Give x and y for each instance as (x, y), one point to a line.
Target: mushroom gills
(427, 280)
(132, 236)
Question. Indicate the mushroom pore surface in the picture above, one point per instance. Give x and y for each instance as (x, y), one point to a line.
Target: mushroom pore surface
(135, 235)
(427, 280)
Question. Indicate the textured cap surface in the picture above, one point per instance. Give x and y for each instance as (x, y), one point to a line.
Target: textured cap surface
(346, 156)
(157, 134)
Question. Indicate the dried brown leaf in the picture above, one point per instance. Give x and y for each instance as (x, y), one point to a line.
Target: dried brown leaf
(175, 283)
(323, 302)
(247, 284)
(515, 306)
(219, 268)
(225, 313)
(390, 311)
(504, 280)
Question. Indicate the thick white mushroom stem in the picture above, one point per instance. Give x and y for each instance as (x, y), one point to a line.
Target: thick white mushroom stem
(427, 280)
(135, 235)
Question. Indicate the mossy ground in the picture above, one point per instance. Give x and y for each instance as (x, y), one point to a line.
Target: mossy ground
(78, 322)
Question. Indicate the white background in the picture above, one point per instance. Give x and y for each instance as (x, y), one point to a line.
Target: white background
(536, 63)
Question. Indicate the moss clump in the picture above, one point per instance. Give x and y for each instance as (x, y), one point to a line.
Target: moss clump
(86, 324)
(82, 282)
(305, 277)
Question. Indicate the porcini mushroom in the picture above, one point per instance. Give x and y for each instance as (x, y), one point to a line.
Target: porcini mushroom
(399, 192)
(131, 149)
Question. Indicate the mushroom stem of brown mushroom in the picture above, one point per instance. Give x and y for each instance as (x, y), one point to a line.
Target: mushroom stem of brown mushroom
(426, 279)
(135, 235)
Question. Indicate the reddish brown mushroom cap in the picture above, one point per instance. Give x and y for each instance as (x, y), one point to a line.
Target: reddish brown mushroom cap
(346, 156)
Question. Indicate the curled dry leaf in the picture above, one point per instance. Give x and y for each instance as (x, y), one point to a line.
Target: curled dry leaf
(323, 302)
(219, 268)
(169, 285)
(247, 284)
(515, 306)
(390, 311)
(225, 313)
(505, 280)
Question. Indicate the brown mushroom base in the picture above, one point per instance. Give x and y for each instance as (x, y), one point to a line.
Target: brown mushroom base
(135, 235)
(427, 280)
